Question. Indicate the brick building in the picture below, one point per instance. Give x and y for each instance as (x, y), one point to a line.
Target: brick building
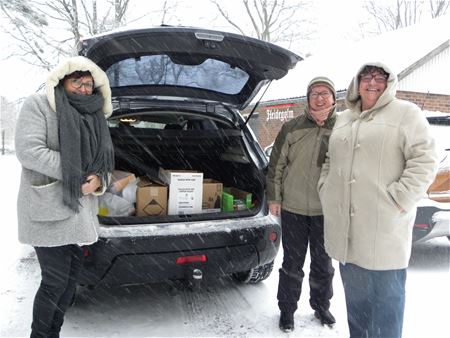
(271, 115)
(420, 55)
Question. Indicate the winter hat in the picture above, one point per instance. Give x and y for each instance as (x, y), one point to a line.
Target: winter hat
(322, 80)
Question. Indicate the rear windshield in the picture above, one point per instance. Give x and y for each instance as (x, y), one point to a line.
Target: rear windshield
(160, 70)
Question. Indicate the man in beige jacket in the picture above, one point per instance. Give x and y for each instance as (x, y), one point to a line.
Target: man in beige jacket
(380, 162)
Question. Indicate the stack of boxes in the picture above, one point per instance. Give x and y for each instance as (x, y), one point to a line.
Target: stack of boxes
(181, 192)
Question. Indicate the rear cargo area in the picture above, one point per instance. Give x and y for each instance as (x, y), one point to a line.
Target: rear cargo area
(220, 154)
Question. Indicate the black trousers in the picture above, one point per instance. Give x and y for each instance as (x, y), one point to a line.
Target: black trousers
(60, 270)
(297, 232)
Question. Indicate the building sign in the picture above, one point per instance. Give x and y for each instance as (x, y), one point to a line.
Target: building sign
(281, 112)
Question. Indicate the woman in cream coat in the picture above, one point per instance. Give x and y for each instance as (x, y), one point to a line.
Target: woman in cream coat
(380, 162)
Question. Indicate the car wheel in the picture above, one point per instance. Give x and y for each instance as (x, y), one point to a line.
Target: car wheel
(255, 275)
(448, 238)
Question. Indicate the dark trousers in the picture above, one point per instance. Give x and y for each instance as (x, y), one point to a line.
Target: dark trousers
(375, 301)
(60, 269)
(297, 231)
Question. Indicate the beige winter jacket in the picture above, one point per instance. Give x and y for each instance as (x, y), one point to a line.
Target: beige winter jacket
(294, 168)
(377, 158)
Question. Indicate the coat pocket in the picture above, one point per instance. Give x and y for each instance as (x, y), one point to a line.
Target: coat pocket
(393, 205)
(46, 203)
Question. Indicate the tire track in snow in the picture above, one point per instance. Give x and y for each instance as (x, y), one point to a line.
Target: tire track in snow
(216, 310)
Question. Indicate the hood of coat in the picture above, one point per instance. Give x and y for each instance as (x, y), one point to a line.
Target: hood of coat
(353, 99)
(79, 63)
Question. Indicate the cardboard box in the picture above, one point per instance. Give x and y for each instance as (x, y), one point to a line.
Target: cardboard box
(151, 198)
(119, 180)
(185, 191)
(234, 199)
(212, 194)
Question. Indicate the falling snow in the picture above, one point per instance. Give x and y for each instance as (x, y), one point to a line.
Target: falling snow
(221, 308)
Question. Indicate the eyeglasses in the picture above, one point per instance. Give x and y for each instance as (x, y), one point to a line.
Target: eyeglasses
(379, 78)
(77, 83)
(323, 95)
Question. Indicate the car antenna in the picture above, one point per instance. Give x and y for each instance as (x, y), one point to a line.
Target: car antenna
(426, 97)
(257, 103)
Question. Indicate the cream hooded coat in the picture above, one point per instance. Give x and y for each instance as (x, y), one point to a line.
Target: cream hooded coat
(376, 159)
(43, 219)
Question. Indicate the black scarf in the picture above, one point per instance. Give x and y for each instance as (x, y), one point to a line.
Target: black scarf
(85, 143)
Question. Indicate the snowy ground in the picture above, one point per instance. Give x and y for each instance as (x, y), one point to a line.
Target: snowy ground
(221, 309)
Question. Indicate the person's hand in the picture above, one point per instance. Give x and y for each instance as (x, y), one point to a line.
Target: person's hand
(93, 182)
(275, 208)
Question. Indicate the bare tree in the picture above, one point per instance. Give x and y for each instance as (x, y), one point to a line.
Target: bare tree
(271, 20)
(402, 13)
(438, 8)
(120, 11)
(27, 23)
(8, 116)
(45, 30)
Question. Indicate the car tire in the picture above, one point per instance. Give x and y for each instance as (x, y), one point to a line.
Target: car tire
(448, 238)
(254, 275)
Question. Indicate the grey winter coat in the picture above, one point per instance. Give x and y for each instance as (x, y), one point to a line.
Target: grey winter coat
(43, 219)
(377, 159)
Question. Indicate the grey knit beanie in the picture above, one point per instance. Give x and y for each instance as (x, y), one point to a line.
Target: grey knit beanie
(323, 81)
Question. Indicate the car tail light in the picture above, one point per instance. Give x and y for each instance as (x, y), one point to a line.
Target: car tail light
(273, 236)
(191, 259)
(423, 226)
(86, 252)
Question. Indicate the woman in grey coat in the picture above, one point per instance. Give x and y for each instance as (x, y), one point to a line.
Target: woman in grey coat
(64, 146)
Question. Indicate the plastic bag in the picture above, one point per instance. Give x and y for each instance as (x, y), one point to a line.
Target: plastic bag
(112, 205)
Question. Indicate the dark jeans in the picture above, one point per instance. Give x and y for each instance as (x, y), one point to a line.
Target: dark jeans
(375, 301)
(297, 231)
(60, 269)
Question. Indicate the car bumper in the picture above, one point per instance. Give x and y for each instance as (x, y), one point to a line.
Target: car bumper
(148, 253)
(432, 220)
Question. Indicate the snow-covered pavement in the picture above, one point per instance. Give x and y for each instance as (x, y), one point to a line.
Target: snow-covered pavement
(221, 309)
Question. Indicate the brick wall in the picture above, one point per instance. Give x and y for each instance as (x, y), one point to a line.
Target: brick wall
(272, 115)
(431, 102)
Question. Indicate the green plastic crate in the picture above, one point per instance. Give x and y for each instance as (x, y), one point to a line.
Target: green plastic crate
(231, 195)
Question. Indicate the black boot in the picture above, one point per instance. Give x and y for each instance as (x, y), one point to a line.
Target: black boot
(325, 317)
(286, 321)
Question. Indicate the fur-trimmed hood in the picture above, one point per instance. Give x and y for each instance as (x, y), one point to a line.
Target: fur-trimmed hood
(79, 63)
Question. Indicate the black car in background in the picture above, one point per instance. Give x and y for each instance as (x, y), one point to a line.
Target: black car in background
(177, 95)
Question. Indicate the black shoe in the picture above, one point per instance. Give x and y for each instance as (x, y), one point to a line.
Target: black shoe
(325, 317)
(286, 321)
